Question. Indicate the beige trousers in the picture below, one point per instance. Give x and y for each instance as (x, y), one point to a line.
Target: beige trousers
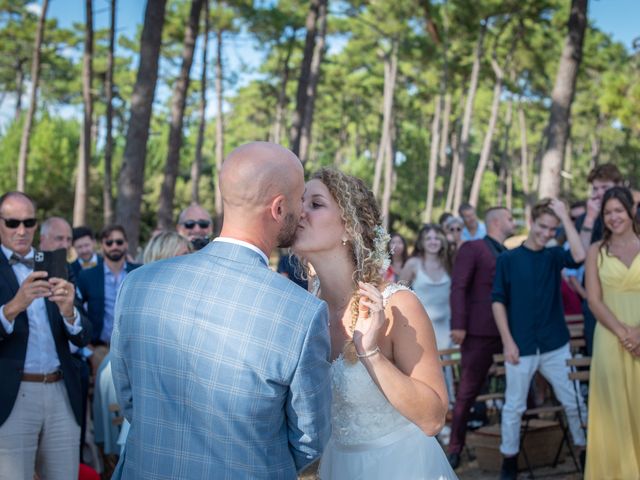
(41, 435)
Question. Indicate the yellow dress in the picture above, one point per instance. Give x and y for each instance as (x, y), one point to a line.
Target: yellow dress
(613, 434)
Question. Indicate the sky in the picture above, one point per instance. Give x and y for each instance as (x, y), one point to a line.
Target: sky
(616, 17)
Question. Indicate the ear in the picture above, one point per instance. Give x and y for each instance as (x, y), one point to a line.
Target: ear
(277, 208)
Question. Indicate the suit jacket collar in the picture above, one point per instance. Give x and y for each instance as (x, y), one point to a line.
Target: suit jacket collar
(7, 272)
(235, 252)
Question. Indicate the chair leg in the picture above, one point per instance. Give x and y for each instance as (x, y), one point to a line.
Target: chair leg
(524, 450)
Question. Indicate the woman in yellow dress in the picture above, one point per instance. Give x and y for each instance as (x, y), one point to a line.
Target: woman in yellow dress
(613, 286)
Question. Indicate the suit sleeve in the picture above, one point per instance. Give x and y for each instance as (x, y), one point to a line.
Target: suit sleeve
(308, 406)
(118, 352)
(461, 279)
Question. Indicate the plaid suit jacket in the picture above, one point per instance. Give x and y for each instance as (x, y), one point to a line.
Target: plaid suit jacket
(222, 367)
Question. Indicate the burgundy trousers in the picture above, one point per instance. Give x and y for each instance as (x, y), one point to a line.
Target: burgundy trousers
(477, 357)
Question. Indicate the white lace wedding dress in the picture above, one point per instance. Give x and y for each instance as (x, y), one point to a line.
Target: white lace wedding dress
(370, 438)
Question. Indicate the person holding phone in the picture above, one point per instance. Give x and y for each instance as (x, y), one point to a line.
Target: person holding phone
(40, 398)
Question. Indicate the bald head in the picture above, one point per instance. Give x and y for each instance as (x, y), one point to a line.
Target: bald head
(500, 224)
(253, 174)
(55, 233)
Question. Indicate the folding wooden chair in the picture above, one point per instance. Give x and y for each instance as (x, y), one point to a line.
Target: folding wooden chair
(554, 411)
(579, 373)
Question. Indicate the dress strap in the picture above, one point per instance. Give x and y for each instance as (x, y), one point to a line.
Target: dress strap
(390, 290)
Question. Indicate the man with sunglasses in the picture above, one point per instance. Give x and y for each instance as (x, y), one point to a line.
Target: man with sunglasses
(40, 398)
(99, 285)
(194, 222)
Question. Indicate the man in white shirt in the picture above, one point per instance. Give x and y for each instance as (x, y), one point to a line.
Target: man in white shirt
(40, 399)
(474, 229)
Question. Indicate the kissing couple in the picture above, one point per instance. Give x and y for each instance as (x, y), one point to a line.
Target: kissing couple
(226, 369)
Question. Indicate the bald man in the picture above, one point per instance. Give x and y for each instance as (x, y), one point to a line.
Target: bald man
(194, 223)
(55, 233)
(226, 361)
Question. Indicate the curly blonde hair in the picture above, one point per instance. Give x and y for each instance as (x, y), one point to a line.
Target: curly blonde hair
(360, 214)
(361, 217)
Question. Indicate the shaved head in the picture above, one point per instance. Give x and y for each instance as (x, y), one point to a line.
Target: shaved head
(256, 172)
(262, 185)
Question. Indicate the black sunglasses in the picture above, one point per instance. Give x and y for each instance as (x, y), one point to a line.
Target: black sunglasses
(118, 242)
(189, 224)
(15, 223)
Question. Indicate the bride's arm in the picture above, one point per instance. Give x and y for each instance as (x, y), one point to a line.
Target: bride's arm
(414, 385)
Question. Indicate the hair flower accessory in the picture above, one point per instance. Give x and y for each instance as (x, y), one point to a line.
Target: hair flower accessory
(381, 254)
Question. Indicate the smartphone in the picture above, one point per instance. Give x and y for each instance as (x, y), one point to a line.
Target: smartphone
(54, 263)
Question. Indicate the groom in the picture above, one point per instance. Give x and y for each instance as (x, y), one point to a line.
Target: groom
(220, 364)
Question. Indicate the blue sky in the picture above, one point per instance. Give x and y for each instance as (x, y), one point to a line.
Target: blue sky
(616, 17)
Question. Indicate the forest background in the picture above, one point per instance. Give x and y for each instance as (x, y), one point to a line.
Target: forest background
(433, 103)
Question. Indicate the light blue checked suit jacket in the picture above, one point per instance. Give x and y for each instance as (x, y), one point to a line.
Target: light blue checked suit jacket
(222, 367)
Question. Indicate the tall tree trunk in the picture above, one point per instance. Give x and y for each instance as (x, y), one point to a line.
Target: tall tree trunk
(131, 178)
(433, 158)
(509, 203)
(84, 159)
(107, 194)
(312, 87)
(178, 103)
(444, 136)
(281, 106)
(562, 98)
(455, 164)
(505, 157)
(466, 119)
(390, 71)
(219, 128)
(485, 153)
(566, 168)
(524, 164)
(19, 88)
(305, 73)
(33, 100)
(196, 166)
(388, 179)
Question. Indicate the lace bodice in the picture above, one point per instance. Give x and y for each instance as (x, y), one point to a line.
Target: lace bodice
(360, 411)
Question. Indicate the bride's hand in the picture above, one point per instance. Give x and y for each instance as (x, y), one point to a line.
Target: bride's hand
(370, 318)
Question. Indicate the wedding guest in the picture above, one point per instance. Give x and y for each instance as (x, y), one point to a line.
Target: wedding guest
(527, 308)
(453, 227)
(84, 244)
(428, 273)
(55, 233)
(613, 283)
(397, 248)
(389, 396)
(194, 223)
(473, 228)
(472, 324)
(40, 398)
(165, 245)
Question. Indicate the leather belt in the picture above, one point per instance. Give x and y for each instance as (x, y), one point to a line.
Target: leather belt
(42, 377)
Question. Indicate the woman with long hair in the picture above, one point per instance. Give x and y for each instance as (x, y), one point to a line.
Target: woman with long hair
(428, 273)
(613, 289)
(397, 249)
(389, 397)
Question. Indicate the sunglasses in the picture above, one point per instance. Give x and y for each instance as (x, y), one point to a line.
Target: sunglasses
(15, 223)
(189, 224)
(118, 242)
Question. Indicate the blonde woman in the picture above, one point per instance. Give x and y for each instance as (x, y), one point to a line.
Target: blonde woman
(166, 245)
(389, 396)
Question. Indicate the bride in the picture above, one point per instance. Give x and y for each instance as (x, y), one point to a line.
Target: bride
(389, 396)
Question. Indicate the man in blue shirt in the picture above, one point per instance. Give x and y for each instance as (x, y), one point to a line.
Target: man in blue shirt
(527, 307)
(473, 229)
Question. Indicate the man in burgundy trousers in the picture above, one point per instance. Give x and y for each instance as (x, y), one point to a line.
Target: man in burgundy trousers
(472, 324)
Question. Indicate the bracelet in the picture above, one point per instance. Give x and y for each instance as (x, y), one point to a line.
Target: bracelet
(369, 354)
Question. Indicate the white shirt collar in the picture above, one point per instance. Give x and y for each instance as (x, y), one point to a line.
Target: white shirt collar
(7, 252)
(243, 244)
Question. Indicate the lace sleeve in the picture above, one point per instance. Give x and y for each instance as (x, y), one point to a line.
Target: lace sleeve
(391, 289)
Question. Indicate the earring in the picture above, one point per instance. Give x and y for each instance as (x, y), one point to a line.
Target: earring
(344, 242)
